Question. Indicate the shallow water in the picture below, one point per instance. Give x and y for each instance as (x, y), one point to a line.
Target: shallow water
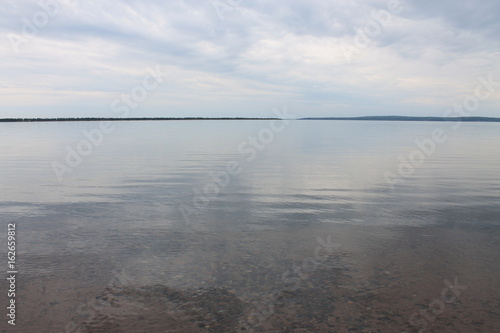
(303, 234)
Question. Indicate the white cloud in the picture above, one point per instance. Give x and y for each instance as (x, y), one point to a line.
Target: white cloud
(253, 57)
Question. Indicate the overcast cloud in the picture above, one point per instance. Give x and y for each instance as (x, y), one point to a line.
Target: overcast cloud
(246, 57)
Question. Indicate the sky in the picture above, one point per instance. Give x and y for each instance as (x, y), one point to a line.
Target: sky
(246, 58)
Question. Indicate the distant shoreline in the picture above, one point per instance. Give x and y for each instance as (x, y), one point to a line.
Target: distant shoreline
(17, 120)
(366, 118)
(408, 118)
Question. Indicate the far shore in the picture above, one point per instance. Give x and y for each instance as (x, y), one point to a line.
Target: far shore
(409, 118)
(366, 118)
(14, 120)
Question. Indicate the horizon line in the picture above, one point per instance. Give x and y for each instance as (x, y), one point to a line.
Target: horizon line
(359, 118)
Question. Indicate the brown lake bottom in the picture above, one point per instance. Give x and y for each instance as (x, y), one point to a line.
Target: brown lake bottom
(370, 279)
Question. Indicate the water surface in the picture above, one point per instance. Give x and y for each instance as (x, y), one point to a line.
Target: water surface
(109, 248)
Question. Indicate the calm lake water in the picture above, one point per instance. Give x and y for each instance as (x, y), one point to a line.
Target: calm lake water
(253, 226)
